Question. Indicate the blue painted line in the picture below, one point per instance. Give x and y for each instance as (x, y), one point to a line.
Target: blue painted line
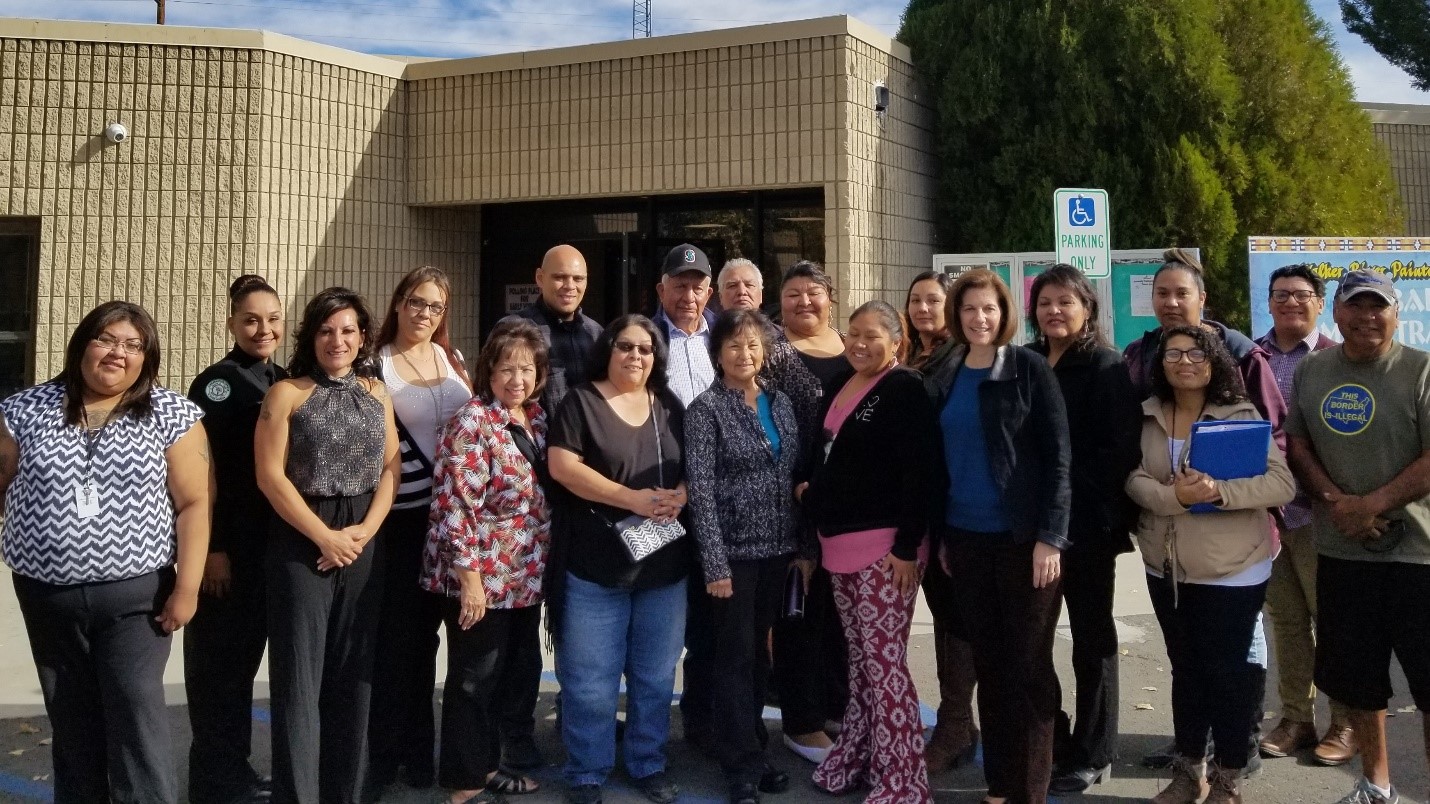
(26, 788)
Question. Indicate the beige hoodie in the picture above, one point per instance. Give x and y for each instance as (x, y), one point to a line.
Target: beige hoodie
(1204, 547)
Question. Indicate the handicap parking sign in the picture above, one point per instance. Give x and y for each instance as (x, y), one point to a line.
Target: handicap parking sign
(1081, 211)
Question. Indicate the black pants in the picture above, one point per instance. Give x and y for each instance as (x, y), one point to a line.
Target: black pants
(742, 625)
(1215, 685)
(1011, 627)
(811, 661)
(1090, 740)
(322, 639)
(223, 648)
(100, 657)
(473, 699)
(698, 669)
(402, 728)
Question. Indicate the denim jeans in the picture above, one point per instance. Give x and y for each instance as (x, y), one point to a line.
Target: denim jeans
(608, 631)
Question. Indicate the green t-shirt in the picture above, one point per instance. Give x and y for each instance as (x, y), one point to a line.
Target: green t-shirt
(1367, 422)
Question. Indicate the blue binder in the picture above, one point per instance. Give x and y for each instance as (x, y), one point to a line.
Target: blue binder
(1228, 450)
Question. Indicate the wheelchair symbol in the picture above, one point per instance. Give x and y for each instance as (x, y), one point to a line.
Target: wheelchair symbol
(1080, 215)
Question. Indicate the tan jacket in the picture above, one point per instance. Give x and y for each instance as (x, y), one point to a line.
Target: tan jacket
(1204, 547)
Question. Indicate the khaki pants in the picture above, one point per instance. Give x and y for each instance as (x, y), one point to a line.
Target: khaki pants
(1291, 603)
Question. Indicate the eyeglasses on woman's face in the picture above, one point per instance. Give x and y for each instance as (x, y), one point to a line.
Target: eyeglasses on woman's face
(109, 343)
(417, 305)
(626, 347)
(1192, 355)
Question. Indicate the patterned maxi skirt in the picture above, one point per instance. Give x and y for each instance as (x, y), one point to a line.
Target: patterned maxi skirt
(881, 744)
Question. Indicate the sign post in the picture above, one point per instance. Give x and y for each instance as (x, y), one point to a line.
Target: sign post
(1081, 220)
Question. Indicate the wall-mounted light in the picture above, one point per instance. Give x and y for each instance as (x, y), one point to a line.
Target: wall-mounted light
(881, 99)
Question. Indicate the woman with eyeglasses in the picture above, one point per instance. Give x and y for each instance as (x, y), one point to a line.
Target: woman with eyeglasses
(1207, 572)
(106, 483)
(616, 575)
(428, 384)
(327, 460)
(225, 641)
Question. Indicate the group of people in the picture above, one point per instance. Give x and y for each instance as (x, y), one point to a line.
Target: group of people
(765, 500)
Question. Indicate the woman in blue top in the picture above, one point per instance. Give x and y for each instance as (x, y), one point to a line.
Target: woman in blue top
(741, 445)
(1006, 448)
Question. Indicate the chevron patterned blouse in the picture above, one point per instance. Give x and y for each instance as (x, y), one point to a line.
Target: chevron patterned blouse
(133, 532)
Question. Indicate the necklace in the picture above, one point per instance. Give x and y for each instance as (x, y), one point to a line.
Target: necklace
(438, 393)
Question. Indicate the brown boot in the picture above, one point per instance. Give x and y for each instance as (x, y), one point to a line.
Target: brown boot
(955, 737)
(1224, 789)
(1188, 786)
(1288, 737)
(1338, 747)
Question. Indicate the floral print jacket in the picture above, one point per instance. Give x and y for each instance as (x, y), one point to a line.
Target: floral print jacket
(489, 512)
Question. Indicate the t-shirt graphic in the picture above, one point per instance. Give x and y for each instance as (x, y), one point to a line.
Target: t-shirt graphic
(1348, 409)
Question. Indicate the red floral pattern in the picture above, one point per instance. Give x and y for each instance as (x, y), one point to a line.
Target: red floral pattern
(489, 512)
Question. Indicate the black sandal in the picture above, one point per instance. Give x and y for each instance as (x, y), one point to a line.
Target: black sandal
(512, 784)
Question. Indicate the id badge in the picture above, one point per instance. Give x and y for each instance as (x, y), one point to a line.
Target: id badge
(86, 501)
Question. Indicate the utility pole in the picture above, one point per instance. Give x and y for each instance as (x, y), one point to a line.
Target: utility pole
(160, 15)
(640, 19)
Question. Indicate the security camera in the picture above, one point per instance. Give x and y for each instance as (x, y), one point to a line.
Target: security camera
(116, 133)
(881, 98)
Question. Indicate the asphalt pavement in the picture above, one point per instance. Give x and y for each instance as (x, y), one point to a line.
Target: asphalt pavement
(1145, 714)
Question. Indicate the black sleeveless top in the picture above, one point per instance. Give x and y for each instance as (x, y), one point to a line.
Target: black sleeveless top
(336, 440)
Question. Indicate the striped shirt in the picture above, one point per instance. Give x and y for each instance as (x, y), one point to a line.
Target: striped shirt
(423, 413)
(689, 367)
(134, 530)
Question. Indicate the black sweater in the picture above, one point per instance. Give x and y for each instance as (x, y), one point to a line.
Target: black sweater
(884, 470)
(1105, 429)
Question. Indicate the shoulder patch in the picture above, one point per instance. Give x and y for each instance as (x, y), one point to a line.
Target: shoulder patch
(218, 390)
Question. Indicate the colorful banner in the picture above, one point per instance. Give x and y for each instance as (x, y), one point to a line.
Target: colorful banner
(1405, 259)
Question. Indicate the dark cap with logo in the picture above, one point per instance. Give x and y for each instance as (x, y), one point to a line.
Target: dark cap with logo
(1355, 283)
(685, 258)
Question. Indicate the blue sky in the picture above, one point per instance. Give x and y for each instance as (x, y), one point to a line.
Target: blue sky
(477, 27)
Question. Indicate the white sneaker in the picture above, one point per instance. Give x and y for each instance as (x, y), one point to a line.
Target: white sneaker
(815, 755)
(1363, 793)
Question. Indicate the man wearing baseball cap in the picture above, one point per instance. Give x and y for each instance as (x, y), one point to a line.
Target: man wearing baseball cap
(683, 290)
(1359, 443)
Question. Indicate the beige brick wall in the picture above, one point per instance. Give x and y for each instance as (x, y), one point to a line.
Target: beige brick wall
(881, 206)
(239, 160)
(793, 113)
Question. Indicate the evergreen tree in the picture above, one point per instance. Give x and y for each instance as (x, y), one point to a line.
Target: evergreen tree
(1399, 30)
(1205, 120)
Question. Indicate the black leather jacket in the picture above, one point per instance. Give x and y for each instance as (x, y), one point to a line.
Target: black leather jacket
(1025, 429)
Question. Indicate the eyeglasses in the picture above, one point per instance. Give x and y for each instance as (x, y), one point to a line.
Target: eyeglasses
(109, 344)
(1192, 355)
(626, 347)
(1301, 296)
(416, 305)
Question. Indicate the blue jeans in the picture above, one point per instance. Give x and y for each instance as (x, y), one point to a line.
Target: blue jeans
(606, 632)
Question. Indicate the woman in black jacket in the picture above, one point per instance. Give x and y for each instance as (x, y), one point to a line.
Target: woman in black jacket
(1005, 439)
(874, 475)
(1103, 426)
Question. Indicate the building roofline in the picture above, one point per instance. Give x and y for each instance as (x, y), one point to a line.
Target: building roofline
(1415, 114)
(417, 67)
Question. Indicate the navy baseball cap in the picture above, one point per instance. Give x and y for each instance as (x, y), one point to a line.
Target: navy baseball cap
(684, 258)
(1365, 281)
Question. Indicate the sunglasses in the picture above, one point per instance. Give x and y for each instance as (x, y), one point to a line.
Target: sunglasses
(626, 347)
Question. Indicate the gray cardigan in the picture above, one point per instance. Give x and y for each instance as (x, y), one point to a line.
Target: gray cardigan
(741, 503)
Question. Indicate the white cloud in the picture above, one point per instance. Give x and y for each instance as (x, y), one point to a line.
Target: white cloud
(478, 27)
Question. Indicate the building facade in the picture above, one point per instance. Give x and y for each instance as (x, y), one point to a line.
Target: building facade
(250, 152)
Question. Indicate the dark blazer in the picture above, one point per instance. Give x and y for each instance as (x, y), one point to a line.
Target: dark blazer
(1025, 428)
(1105, 429)
(883, 471)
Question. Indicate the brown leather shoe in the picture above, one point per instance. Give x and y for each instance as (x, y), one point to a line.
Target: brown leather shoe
(1338, 747)
(1288, 737)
